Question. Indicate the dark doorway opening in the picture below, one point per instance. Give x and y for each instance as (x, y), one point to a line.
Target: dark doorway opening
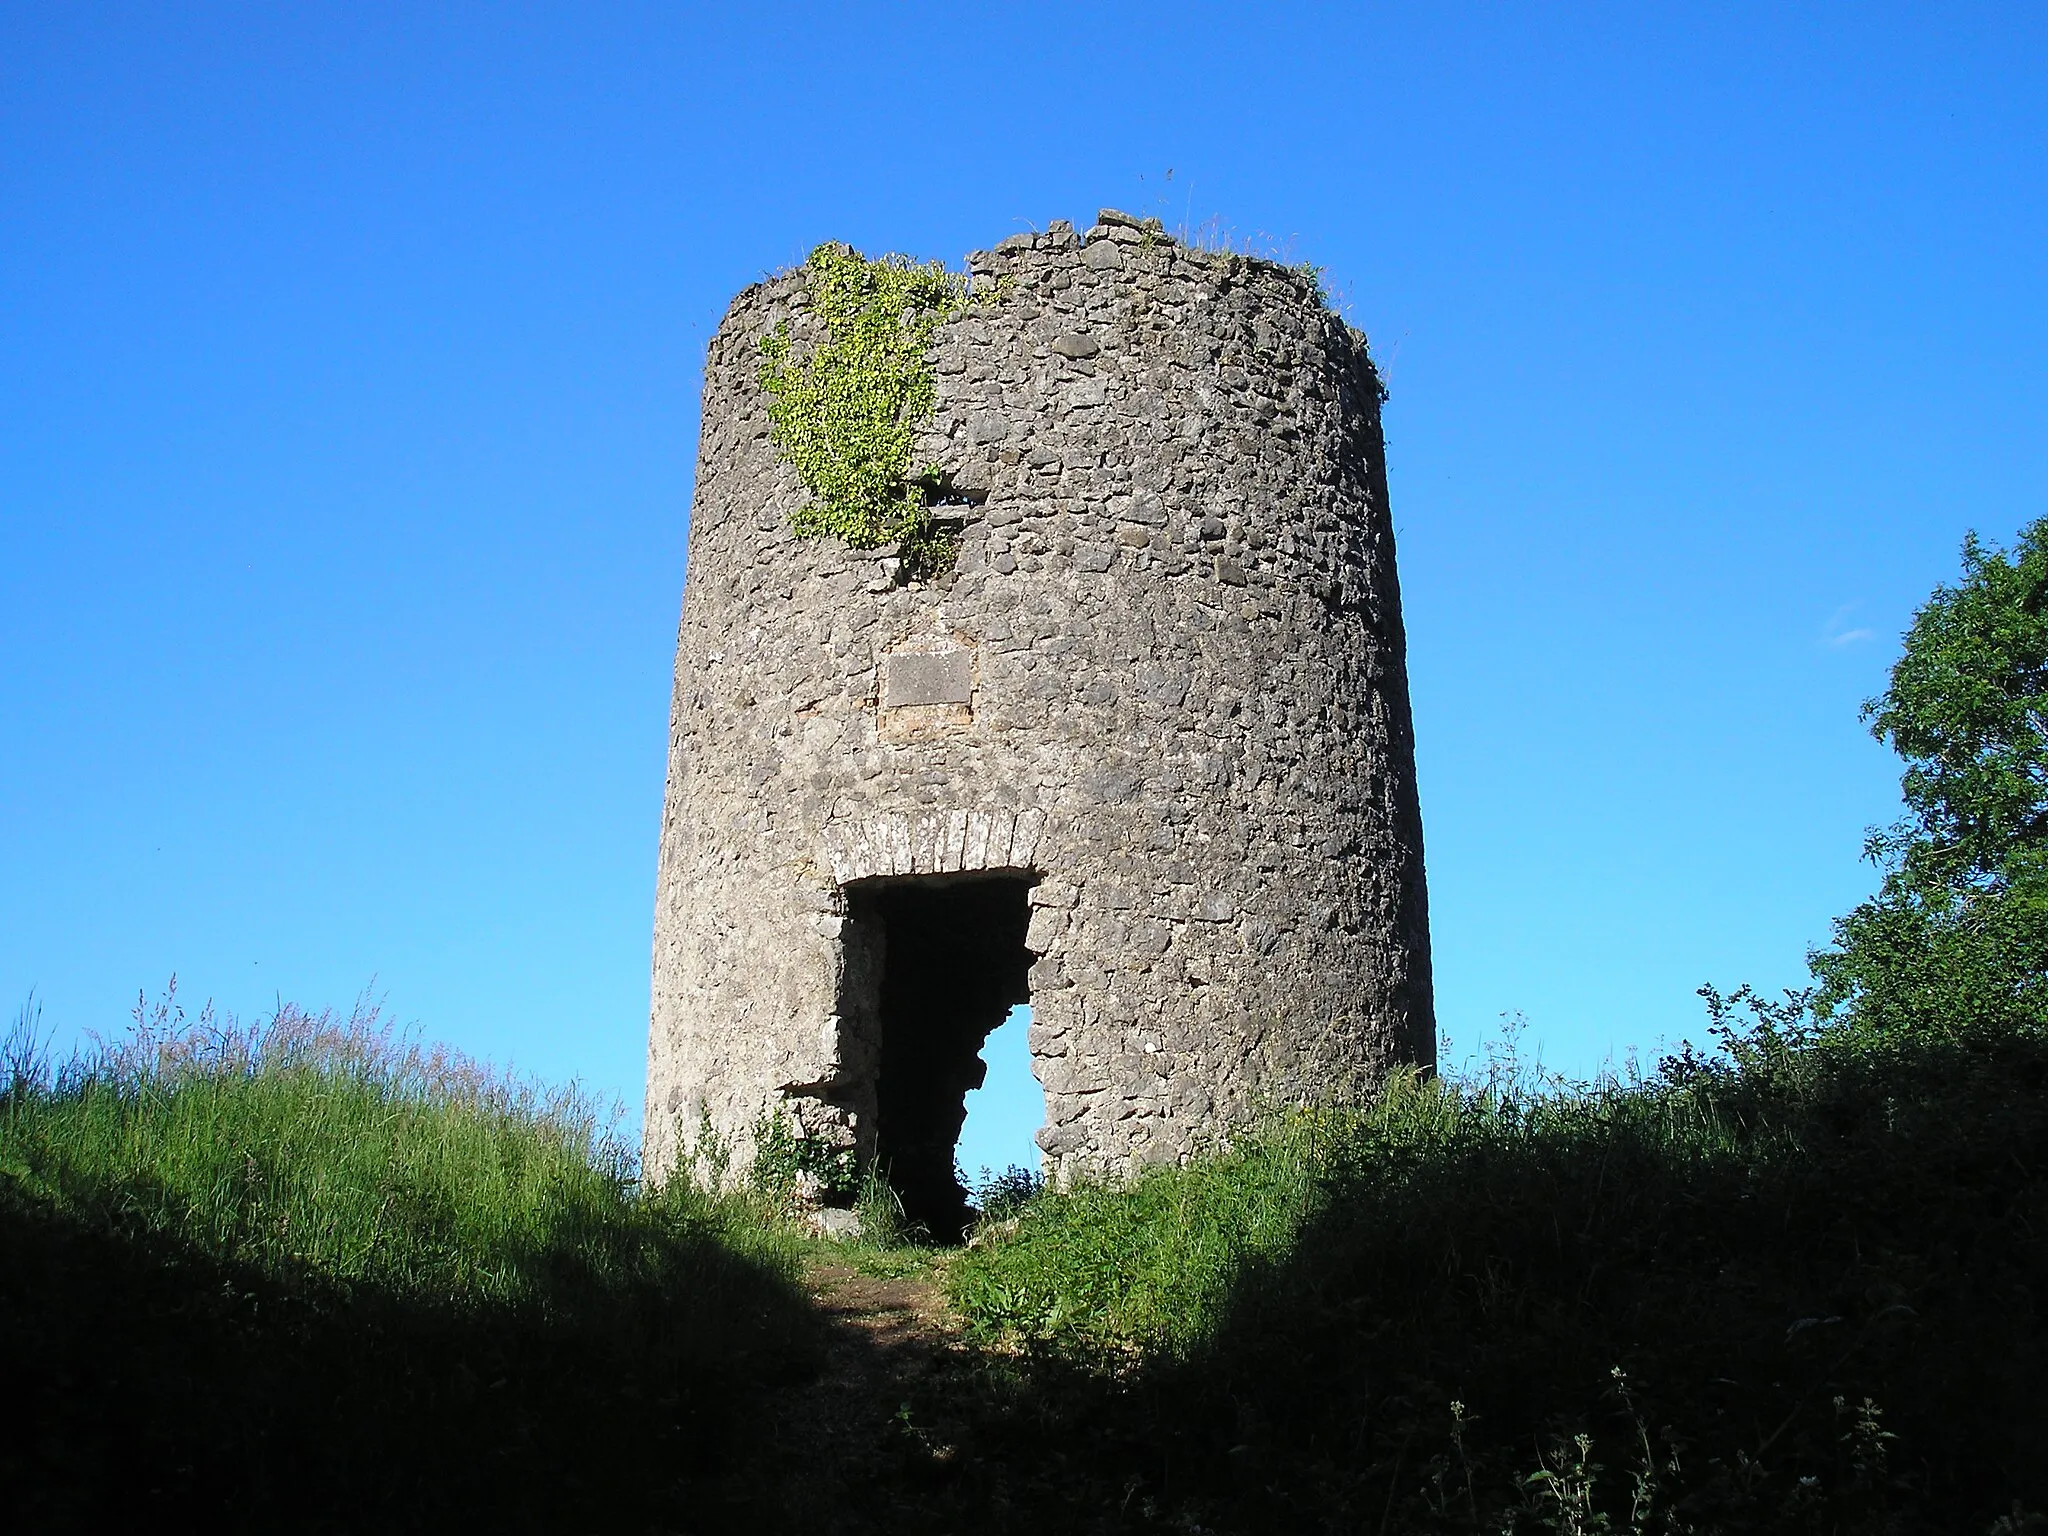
(953, 965)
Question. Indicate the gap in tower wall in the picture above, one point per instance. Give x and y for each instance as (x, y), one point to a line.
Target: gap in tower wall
(998, 1146)
(944, 961)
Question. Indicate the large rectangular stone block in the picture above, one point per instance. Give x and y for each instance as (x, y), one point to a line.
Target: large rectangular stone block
(943, 677)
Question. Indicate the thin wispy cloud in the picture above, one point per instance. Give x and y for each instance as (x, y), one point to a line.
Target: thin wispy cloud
(1836, 637)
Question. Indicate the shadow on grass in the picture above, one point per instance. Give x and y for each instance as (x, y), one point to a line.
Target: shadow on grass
(1818, 1267)
(149, 1384)
(1820, 1276)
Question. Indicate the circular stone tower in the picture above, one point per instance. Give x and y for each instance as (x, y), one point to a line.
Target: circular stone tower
(1142, 757)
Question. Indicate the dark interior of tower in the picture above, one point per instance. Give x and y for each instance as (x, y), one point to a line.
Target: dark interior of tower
(954, 964)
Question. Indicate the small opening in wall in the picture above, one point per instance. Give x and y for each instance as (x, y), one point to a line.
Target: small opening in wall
(953, 966)
(941, 494)
(1004, 1115)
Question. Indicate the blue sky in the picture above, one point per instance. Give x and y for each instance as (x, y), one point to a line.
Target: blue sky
(348, 419)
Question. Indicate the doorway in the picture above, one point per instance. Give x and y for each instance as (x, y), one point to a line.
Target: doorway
(953, 966)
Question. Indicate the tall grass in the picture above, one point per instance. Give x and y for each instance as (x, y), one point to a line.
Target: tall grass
(305, 1275)
(1791, 1285)
(1154, 1264)
(314, 1143)
(307, 1272)
(1147, 1266)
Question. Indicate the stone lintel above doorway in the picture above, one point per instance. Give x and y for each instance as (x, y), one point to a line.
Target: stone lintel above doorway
(933, 843)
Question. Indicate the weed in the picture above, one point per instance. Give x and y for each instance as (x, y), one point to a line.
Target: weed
(790, 1167)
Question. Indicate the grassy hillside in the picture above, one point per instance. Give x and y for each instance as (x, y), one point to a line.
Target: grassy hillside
(1796, 1287)
(304, 1277)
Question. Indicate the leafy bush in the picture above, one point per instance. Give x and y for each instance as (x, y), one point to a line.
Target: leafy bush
(790, 1168)
(1000, 1196)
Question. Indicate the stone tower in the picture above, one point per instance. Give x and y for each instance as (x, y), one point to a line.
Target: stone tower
(1143, 757)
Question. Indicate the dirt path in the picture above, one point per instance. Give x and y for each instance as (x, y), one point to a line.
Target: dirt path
(888, 1337)
(907, 1311)
(908, 1429)
(849, 1441)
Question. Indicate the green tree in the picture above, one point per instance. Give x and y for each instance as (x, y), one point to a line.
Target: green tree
(1958, 934)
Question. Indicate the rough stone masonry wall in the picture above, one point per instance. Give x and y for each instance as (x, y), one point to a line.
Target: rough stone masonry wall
(1166, 678)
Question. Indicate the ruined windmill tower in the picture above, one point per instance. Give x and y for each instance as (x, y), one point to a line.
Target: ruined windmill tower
(1142, 756)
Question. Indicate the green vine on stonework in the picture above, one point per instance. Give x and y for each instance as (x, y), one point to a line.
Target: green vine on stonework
(844, 411)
